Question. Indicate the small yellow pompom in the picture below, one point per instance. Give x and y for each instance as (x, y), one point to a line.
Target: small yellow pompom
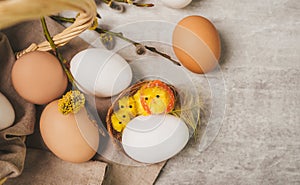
(139, 107)
(128, 104)
(120, 119)
(71, 102)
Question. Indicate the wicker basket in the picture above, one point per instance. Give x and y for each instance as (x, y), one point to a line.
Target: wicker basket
(130, 91)
(12, 12)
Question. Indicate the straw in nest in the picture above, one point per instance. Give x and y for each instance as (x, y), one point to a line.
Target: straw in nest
(130, 91)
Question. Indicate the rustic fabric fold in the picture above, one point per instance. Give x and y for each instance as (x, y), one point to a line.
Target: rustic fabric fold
(12, 146)
(42, 167)
(115, 174)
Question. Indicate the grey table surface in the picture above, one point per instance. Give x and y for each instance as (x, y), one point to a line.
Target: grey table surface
(259, 140)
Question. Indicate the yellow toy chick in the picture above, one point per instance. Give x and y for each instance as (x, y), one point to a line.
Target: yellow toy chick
(128, 104)
(119, 120)
(155, 97)
(139, 107)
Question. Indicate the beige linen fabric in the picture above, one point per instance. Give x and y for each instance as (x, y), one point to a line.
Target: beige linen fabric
(12, 146)
(38, 162)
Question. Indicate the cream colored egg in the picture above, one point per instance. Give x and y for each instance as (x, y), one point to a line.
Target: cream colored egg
(101, 72)
(7, 113)
(72, 137)
(154, 138)
(176, 3)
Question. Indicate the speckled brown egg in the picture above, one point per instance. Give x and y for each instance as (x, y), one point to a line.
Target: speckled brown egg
(71, 137)
(196, 44)
(38, 77)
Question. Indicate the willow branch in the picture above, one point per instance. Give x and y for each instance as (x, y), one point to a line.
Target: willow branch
(60, 58)
(130, 2)
(121, 36)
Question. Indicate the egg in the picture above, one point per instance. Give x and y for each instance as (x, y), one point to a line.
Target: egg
(154, 138)
(7, 113)
(101, 72)
(196, 44)
(176, 3)
(38, 77)
(71, 137)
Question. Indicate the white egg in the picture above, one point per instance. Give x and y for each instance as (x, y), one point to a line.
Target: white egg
(7, 113)
(176, 3)
(154, 138)
(101, 72)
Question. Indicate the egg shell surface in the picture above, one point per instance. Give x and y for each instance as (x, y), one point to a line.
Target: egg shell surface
(7, 113)
(196, 43)
(176, 3)
(71, 137)
(101, 72)
(154, 138)
(38, 77)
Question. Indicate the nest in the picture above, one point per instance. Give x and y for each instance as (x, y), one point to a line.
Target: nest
(130, 91)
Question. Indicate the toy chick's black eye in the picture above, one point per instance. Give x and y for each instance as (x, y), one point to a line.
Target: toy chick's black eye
(130, 106)
(157, 96)
(146, 98)
(122, 106)
(120, 122)
(124, 116)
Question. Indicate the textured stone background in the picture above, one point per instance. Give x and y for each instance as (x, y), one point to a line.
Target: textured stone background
(259, 141)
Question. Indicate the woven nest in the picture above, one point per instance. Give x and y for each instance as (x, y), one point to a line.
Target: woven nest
(12, 12)
(130, 91)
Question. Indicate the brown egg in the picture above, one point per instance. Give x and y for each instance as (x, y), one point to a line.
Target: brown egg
(38, 77)
(196, 44)
(71, 137)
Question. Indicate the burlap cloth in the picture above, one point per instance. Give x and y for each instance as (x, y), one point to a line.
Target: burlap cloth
(12, 147)
(34, 164)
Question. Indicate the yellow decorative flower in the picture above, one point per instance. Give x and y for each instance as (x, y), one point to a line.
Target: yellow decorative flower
(71, 102)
